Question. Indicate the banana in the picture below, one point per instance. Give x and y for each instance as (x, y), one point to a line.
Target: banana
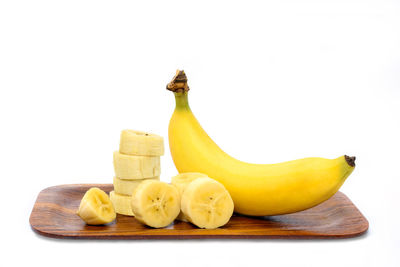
(96, 208)
(122, 203)
(141, 143)
(181, 181)
(126, 187)
(256, 189)
(130, 167)
(206, 203)
(155, 203)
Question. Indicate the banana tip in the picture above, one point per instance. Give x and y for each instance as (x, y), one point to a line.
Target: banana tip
(350, 160)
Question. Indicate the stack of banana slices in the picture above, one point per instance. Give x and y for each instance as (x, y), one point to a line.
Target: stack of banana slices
(137, 160)
(138, 191)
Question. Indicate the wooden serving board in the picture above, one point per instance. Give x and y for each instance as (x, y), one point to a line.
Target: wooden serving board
(53, 215)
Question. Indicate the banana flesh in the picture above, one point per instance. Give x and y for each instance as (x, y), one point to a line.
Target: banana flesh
(141, 143)
(181, 181)
(135, 167)
(96, 208)
(126, 187)
(155, 203)
(206, 203)
(137, 160)
(121, 203)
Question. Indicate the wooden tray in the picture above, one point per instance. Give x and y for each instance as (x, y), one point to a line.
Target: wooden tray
(53, 215)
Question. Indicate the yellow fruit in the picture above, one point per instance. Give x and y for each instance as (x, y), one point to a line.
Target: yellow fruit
(141, 143)
(126, 187)
(206, 203)
(96, 208)
(181, 181)
(155, 203)
(121, 203)
(130, 167)
(256, 189)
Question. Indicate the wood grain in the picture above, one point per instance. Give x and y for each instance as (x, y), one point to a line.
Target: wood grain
(53, 215)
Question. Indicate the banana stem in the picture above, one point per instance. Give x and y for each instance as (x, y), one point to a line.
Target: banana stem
(181, 100)
(179, 86)
(178, 83)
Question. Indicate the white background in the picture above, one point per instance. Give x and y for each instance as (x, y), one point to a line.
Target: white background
(270, 81)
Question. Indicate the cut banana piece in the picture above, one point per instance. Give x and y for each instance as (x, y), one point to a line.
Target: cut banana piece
(181, 181)
(130, 167)
(155, 203)
(141, 143)
(126, 187)
(96, 208)
(122, 203)
(206, 203)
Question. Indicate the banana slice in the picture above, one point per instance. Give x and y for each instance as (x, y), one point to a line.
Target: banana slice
(181, 181)
(206, 203)
(96, 208)
(155, 203)
(126, 187)
(141, 143)
(130, 167)
(122, 203)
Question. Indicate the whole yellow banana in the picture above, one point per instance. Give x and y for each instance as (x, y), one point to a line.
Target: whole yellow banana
(256, 189)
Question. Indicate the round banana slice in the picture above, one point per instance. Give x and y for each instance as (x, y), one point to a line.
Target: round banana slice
(181, 181)
(96, 208)
(126, 187)
(155, 203)
(122, 203)
(130, 167)
(141, 143)
(206, 203)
